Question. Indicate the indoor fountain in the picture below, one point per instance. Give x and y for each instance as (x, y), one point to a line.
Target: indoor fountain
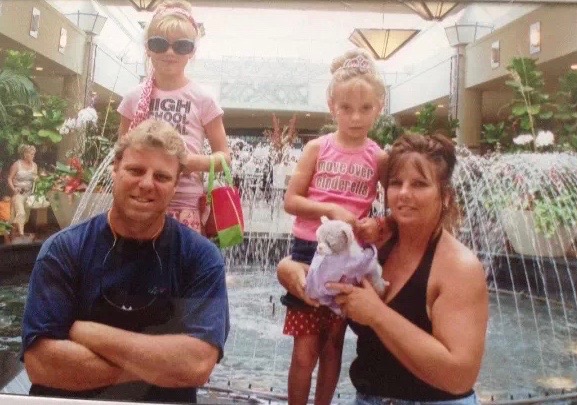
(531, 349)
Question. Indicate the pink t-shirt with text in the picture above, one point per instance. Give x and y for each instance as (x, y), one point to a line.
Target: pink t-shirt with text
(188, 109)
(347, 177)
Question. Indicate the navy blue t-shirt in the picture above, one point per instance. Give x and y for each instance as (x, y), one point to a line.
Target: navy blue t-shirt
(77, 263)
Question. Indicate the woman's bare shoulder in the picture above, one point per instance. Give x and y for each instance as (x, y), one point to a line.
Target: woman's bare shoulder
(14, 166)
(454, 255)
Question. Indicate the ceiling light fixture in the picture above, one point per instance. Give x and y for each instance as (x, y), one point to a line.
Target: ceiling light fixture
(430, 10)
(143, 5)
(88, 18)
(470, 27)
(381, 42)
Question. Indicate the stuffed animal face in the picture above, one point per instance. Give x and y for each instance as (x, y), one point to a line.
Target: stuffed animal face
(334, 236)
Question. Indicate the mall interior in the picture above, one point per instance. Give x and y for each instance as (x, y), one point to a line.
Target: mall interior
(264, 57)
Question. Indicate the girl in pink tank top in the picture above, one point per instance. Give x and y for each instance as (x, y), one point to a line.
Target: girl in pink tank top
(336, 177)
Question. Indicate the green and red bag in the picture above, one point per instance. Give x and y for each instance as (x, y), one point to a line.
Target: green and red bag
(225, 222)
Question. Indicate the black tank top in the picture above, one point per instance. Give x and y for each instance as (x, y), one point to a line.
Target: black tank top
(376, 371)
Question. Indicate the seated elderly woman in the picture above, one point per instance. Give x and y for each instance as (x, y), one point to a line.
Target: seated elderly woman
(21, 177)
(422, 342)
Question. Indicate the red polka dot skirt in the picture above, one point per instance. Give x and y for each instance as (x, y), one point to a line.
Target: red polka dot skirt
(309, 321)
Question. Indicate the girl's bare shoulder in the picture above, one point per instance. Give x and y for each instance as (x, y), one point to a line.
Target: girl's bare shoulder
(313, 146)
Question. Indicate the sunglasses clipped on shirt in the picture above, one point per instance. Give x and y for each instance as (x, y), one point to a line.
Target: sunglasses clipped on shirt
(180, 46)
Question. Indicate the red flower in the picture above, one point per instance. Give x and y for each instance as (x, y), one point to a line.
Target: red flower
(74, 184)
(76, 164)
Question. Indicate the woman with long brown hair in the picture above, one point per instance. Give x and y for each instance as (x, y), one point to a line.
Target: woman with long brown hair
(424, 340)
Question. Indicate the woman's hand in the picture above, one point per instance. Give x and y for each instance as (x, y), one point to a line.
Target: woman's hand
(375, 230)
(360, 304)
(368, 230)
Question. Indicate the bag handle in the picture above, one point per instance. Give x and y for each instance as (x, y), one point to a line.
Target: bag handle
(211, 176)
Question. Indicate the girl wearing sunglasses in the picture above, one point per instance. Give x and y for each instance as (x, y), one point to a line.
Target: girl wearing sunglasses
(169, 95)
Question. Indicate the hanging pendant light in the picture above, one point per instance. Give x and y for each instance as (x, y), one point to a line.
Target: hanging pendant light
(381, 42)
(430, 10)
(143, 5)
(89, 18)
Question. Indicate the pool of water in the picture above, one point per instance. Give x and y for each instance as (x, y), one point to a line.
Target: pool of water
(13, 290)
(531, 344)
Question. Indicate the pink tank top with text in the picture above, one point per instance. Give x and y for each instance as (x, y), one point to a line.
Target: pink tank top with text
(347, 177)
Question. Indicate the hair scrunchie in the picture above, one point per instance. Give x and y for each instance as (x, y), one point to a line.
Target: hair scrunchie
(164, 11)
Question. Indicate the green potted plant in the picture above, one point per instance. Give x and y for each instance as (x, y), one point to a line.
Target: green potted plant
(566, 111)
(93, 137)
(533, 192)
(43, 184)
(16, 89)
(25, 116)
(385, 130)
(5, 228)
(531, 107)
(35, 126)
(427, 122)
(16, 86)
(534, 197)
(494, 137)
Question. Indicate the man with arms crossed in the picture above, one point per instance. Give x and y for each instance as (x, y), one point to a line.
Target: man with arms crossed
(130, 304)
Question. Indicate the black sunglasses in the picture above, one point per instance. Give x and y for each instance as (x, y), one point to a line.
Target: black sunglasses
(161, 45)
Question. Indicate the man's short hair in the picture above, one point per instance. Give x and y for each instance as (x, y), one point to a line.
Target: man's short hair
(153, 133)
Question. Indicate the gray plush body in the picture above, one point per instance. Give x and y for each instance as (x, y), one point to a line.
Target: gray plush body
(340, 258)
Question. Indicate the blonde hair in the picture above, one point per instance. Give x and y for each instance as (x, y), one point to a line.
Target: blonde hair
(356, 64)
(153, 133)
(164, 22)
(25, 148)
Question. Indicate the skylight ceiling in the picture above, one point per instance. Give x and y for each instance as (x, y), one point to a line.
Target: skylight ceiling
(271, 32)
